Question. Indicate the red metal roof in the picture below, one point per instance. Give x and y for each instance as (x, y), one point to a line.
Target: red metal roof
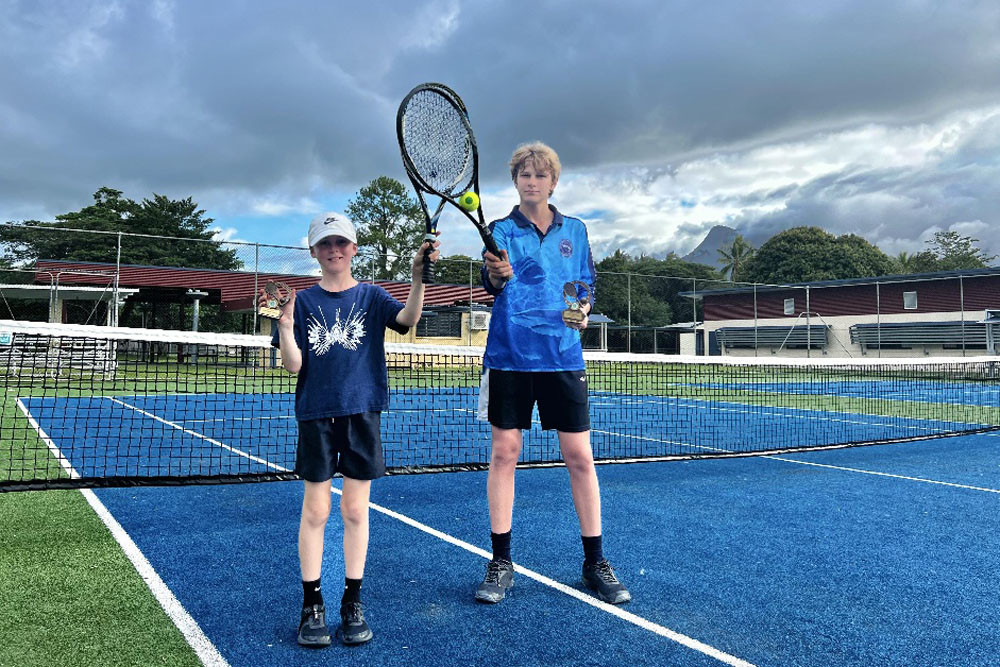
(233, 289)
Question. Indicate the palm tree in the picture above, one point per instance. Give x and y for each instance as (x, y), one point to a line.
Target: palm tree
(735, 256)
(904, 262)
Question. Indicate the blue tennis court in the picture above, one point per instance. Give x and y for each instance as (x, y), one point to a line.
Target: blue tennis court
(881, 555)
(867, 556)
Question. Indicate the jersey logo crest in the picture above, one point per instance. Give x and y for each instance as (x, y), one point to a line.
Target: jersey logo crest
(565, 248)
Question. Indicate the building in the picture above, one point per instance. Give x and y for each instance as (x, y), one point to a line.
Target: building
(947, 313)
(453, 315)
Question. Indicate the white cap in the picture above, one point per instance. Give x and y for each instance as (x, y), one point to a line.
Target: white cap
(331, 224)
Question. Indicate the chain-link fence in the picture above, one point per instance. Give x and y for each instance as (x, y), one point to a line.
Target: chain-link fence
(120, 279)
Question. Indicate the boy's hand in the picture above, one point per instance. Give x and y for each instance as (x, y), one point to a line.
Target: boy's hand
(287, 309)
(498, 268)
(418, 258)
(581, 325)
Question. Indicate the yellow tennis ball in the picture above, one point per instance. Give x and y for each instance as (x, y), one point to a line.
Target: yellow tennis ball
(469, 201)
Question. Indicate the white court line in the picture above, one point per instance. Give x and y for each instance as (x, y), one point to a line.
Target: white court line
(883, 474)
(239, 452)
(192, 632)
(639, 621)
(811, 463)
(196, 639)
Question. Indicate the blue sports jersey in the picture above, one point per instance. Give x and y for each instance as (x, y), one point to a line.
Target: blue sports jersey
(342, 339)
(527, 332)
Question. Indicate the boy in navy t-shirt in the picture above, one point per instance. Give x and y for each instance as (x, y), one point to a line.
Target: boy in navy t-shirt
(333, 336)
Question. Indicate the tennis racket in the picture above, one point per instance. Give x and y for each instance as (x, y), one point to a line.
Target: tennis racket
(440, 157)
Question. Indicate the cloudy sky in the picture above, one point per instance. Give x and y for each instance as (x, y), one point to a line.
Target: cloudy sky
(876, 118)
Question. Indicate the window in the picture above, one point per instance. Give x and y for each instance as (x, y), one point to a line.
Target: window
(445, 325)
(790, 306)
(910, 300)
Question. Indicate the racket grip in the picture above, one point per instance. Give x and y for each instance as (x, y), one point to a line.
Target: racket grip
(427, 272)
(491, 246)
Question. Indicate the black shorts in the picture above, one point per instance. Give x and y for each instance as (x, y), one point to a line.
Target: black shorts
(561, 397)
(350, 445)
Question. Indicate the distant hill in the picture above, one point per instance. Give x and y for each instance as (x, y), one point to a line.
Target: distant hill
(707, 251)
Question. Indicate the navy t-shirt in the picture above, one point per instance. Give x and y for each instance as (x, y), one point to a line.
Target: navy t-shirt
(342, 339)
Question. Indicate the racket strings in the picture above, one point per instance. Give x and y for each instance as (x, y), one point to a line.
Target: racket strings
(438, 142)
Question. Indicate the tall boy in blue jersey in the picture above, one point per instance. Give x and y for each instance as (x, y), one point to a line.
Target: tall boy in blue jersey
(332, 335)
(533, 356)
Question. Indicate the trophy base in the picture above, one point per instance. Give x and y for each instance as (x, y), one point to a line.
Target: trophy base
(573, 316)
(269, 313)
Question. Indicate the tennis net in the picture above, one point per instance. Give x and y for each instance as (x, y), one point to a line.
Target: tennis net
(88, 406)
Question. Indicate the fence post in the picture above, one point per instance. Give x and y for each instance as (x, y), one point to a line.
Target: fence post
(878, 318)
(471, 261)
(118, 270)
(256, 286)
(628, 324)
(756, 344)
(808, 328)
(961, 306)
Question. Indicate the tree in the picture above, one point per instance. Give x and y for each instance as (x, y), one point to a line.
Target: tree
(924, 261)
(454, 270)
(954, 251)
(804, 254)
(949, 251)
(111, 213)
(645, 290)
(735, 256)
(390, 229)
(904, 261)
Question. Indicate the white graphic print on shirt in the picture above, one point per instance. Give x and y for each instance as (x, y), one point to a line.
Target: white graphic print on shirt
(348, 334)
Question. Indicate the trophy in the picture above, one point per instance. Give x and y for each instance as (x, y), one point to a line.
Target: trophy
(278, 294)
(576, 294)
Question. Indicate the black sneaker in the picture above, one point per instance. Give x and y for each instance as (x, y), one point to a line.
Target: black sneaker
(499, 577)
(312, 628)
(601, 579)
(353, 629)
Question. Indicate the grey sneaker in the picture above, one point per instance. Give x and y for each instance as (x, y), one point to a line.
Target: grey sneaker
(353, 629)
(313, 631)
(499, 577)
(601, 579)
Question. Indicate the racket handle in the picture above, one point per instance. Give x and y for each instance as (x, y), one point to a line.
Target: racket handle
(427, 273)
(491, 246)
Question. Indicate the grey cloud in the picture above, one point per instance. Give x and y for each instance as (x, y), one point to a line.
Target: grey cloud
(289, 97)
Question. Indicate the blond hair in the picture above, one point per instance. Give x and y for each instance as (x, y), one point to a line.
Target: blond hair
(540, 156)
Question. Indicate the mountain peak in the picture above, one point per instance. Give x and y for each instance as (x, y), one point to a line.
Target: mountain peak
(707, 251)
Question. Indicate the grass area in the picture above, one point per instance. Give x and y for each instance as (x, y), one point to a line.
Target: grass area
(69, 594)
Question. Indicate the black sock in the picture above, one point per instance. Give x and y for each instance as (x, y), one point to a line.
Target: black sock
(352, 591)
(312, 593)
(592, 550)
(501, 545)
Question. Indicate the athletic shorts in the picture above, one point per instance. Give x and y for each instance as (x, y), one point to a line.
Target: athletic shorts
(507, 399)
(350, 445)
